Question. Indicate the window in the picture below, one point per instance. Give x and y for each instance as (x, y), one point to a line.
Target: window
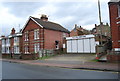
(36, 47)
(7, 49)
(16, 39)
(3, 42)
(26, 49)
(3, 49)
(3, 46)
(36, 34)
(8, 41)
(26, 36)
(16, 49)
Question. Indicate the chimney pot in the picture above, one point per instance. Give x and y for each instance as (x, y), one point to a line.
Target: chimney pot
(44, 17)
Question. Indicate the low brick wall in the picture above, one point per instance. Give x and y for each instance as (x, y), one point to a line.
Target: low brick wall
(6, 55)
(113, 58)
(30, 56)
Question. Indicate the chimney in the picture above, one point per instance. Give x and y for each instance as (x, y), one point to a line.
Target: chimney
(12, 31)
(75, 26)
(44, 17)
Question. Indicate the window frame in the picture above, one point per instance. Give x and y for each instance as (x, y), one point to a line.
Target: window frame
(36, 34)
(26, 48)
(26, 36)
(36, 47)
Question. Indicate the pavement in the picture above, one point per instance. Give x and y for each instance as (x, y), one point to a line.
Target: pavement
(73, 61)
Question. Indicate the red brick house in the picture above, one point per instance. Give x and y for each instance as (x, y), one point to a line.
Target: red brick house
(114, 11)
(12, 45)
(77, 31)
(39, 33)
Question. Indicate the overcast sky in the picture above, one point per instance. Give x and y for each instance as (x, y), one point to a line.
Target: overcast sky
(65, 12)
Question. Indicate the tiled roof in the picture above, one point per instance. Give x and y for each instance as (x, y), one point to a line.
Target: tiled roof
(51, 25)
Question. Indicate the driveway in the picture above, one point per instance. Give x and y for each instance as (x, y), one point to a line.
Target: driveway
(72, 58)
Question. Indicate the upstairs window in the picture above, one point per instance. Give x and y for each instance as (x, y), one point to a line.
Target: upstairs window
(26, 36)
(36, 34)
(16, 39)
(8, 41)
(3, 42)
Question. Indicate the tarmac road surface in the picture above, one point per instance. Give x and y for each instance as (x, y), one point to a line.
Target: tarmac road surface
(26, 71)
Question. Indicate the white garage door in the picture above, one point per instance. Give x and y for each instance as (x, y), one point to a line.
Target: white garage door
(69, 46)
(86, 46)
(74, 46)
(92, 40)
(80, 46)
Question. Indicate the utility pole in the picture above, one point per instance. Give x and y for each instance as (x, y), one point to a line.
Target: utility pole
(100, 22)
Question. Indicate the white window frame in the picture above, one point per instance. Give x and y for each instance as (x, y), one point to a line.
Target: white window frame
(7, 49)
(26, 48)
(3, 49)
(8, 41)
(26, 36)
(3, 42)
(16, 49)
(36, 34)
(36, 47)
(16, 39)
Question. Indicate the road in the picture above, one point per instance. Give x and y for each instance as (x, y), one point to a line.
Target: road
(25, 71)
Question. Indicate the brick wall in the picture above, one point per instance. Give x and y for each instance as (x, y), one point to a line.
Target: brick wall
(73, 33)
(113, 58)
(51, 36)
(30, 56)
(47, 37)
(31, 26)
(113, 10)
